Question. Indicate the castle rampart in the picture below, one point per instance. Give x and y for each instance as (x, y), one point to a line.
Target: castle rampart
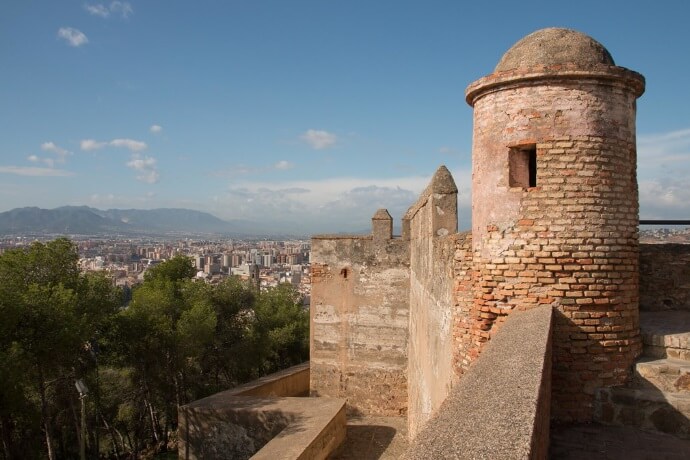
(555, 219)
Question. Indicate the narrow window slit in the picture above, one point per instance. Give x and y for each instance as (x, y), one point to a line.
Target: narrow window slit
(522, 166)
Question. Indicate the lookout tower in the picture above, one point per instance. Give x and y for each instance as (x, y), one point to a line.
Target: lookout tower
(555, 206)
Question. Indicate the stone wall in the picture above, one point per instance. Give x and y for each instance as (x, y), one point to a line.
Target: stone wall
(664, 277)
(359, 319)
(431, 224)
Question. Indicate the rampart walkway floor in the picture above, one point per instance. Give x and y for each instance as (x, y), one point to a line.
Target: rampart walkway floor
(373, 438)
(600, 442)
(385, 438)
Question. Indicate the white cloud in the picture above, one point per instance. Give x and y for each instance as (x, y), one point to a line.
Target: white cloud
(146, 168)
(664, 174)
(90, 144)
(283, 164)
(51, 147)
(244, 170)
(97, 198)
(150, 177)
(72, 36)
(97, 10)
(130, 144)
(330, 205)
(124, 9)
(319, 140)
(121, 201)
(140, 164)
(155, 129)
(59, 151)
(35, 171)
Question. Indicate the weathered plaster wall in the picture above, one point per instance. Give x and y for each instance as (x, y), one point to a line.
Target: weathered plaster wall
(359, 321)
(664, 277)
(432, 223)
(571, 241)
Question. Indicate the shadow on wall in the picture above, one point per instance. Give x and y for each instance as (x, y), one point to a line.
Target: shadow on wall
(239, 433)
(664, 275)
(645, 408)
(591, 350)
(365, 442)
(592, 378)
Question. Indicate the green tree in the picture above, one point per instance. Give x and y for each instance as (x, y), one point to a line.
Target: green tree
(282, 327)
(230, 359)
(161, 336)
(178, 340)
(52, 311)
(178, 268)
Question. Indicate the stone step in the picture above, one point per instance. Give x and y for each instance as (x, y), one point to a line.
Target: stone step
(666, 374)
(666, 334)
(646, 409)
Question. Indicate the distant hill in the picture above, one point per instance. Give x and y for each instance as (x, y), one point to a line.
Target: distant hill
(83, 220)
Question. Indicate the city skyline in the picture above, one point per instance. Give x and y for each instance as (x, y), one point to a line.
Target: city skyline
(306, 114)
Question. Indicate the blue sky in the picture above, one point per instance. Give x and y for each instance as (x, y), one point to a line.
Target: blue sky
(308, 115)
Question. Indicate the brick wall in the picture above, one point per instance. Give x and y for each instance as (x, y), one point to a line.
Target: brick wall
(464, 352)
(571, 240)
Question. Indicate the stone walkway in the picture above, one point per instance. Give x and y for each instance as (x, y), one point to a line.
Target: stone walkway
(373, 438)
(600, 442)
(385, 438)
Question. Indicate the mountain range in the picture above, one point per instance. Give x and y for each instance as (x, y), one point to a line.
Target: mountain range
(84, 220)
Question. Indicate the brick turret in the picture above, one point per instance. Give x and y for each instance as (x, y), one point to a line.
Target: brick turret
(555, 207)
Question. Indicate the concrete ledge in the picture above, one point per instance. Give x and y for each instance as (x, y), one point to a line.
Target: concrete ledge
(293, 381)
(501, 407)
(256, 420)
(319, 427)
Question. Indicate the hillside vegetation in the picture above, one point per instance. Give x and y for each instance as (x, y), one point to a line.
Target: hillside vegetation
(176, 341)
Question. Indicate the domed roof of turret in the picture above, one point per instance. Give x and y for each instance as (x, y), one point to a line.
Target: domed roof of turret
(554, 46)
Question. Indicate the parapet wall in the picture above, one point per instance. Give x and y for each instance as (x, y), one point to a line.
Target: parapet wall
(431, 224)
(664, 277)
(359, 320)
(500, 408)
(263, 420)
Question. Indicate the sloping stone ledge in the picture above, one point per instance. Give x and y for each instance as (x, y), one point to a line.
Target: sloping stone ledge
(293, 381)
(261, 420)
(501, 407)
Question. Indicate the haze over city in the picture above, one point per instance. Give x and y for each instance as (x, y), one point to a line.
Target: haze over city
(304, 114)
